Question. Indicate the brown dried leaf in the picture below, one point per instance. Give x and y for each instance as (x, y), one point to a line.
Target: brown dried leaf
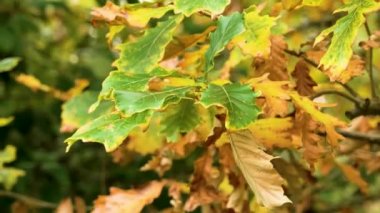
(305, 129)
(131, 201)
(354, 176)
(372, 42)
(304, 83)
(258, 170)
(65, 206)
(276, 64)
(203, 188)
(110, 13)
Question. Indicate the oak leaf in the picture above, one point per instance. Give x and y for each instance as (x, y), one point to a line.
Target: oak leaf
(257, 169)
(131, 201)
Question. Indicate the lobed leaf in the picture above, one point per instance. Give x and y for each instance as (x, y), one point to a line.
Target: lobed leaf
(255, 41)
(131, 201)
(109, 130)
(228, 27)
(131, 102)
(75, 112)
(180, 118)
(345, 30)
(121, 81)
(142, 55)
(257, 169)
(237, 99)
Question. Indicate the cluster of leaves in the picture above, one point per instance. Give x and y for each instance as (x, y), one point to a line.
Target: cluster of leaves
(174, 93)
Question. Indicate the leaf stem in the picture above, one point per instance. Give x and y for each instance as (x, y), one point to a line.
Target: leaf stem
(370, 64)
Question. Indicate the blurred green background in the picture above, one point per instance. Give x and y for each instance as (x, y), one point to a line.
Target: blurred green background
(57, 44)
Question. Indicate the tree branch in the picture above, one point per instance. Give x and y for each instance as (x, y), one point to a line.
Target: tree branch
(30, 201)
(354, 100)
(372, 138)
(300, 55)
(370, 65)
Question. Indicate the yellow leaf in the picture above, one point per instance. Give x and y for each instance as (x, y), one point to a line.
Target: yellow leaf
(273, 132)
(5, 121)
(328, 121)
(257, 169)
(255, 41)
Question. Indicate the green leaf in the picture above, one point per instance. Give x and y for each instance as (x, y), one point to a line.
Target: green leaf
(255, 41)
(9, 176)
(109, 130)
(189, 7)
(237, 99)
(180, 118)
(8, 64)
(75, 112)
(7, 155)
(131, 102)
(228, 27)
(6, 121)
(345, 30)
(119, 80)
(142, 55)
(257, 169)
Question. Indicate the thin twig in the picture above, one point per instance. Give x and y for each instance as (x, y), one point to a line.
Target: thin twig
(30, 201)
(349, 89)
(300, 55)
(354, 100)
(370, 64)
(372, 138)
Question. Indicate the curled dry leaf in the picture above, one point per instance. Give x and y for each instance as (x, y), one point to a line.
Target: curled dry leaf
(304, 133)
(304, 83)
(131, 201)
(276, 64)
(203, 189)
(257, 169)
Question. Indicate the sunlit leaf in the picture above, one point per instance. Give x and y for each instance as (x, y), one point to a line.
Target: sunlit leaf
(228, 27)
(258, 170)
(8, 175)
(109, 130)
(344, 32)
(330, 122)
(122, 81)
(130, 102)
(237, 99)
(142, 55)
(273, 132)
(7, 64)
(75, 112)
(255, 41)
(189, 7)
(5, 121)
